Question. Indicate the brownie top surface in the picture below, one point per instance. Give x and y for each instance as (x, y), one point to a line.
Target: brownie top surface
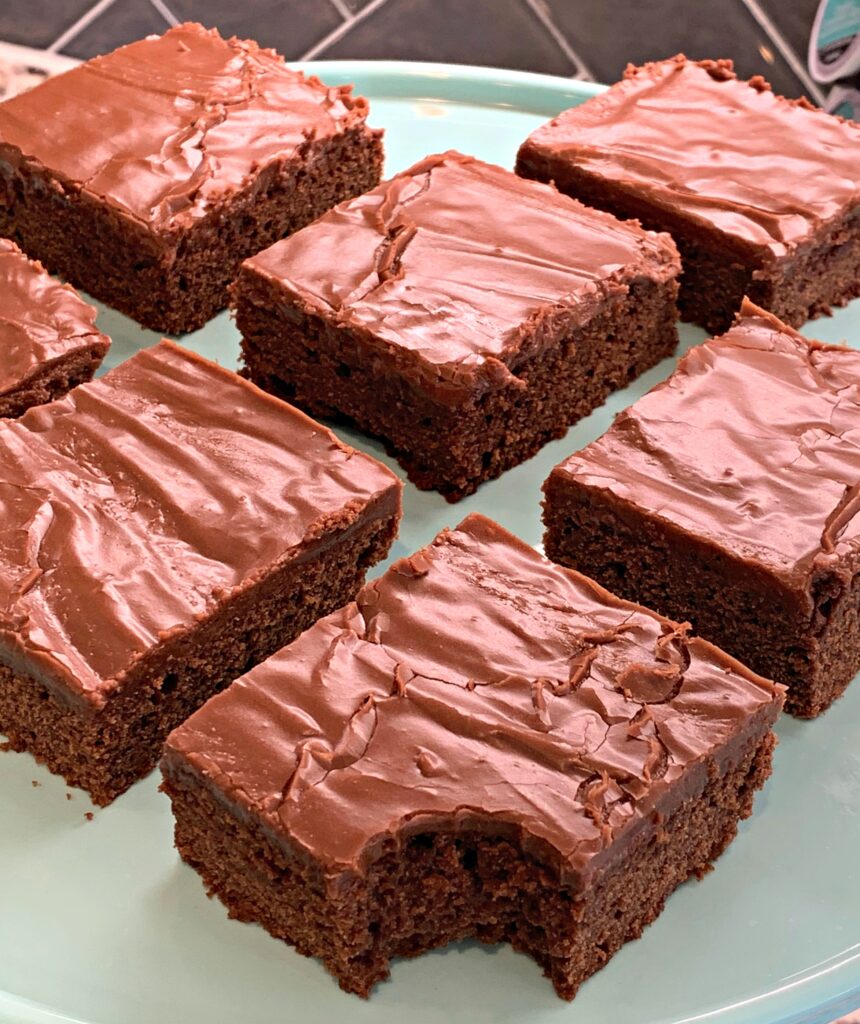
(167, 128)
(140, 502)
(475, 684)
(693, 138)
(753, 445)
(41, 320)
(457, 262)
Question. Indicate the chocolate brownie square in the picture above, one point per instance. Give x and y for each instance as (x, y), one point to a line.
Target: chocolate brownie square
(728, 496)
(543, 767)
(148, 175)
(48, 338)
(461, 314)
(165, 528)
(761, 193)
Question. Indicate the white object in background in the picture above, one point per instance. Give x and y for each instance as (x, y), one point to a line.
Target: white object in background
(21, 68)
(834, 46)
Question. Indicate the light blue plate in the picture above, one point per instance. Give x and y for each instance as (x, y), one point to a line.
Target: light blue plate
(100, 923)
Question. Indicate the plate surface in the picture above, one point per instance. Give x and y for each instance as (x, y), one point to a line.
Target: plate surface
(101, 923)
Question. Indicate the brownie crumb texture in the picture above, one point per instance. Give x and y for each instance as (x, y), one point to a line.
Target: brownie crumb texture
(704, 503)
(783, 231)
(464, 337)
(49, 343)
(98, 180)
(391, 783)
(226, 523)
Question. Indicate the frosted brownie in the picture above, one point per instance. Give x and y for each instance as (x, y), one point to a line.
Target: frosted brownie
(146, 176)
(165, 528)
(543, 767)
(48, 339)
(728, 496)
(761, 193)
(461, 314)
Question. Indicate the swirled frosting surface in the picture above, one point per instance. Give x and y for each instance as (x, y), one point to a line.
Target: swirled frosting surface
(693, 138)
(41, 320)
(753, 445)
(475, 684)
(137, 504)
(457, 263)
(164, 128)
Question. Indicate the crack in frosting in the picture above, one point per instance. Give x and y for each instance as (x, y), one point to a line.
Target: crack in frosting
(693, 138)
(41, 322)
(461, 688)
(136, 504)
(752, 445)
(164, 128)
(458, 268)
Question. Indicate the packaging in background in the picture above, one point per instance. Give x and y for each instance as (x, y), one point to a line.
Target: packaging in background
(834, 54)
(844, 99)
(834, 44)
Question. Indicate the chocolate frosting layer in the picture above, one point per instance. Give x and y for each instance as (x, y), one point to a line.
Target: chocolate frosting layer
(165, 128)
(752, 445)
(693, 138)
(41, 320)
(456, 266)
(475, 684)
(133, 507)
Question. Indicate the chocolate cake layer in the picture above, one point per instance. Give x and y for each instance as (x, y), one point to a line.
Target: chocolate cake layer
(147, 175)
(165, 527)
(761, 193)
(728, 495)
(547, 723)
(460, 313)
(48, 339)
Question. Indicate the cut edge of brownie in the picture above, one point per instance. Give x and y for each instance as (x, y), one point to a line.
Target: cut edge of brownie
(644, 558)
(55, 379)
(718, 271)
(322, 370)
(172, 272)
(805, 636)
(442, 887)
(453, 425)
(177, 283)
(109, 749)
(423, 886)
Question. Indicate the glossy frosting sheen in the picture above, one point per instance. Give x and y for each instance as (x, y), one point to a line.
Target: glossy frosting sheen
(134, 506)
(455, 261)
(475, 683)
(165, 127)
(753, 444)
(695, 139)
(41, 320)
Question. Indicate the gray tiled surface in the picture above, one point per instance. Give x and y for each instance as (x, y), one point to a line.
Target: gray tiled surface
(611, 33)
(290, 26)
(120, 23)
(472, 32)
(567, 37)
(38, 22)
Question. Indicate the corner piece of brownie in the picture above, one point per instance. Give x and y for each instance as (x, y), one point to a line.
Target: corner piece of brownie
(461, 314)
(147, 175)
(165, 528)
(48, 339)
(728, 496)
(761, 193)
(543, 767)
